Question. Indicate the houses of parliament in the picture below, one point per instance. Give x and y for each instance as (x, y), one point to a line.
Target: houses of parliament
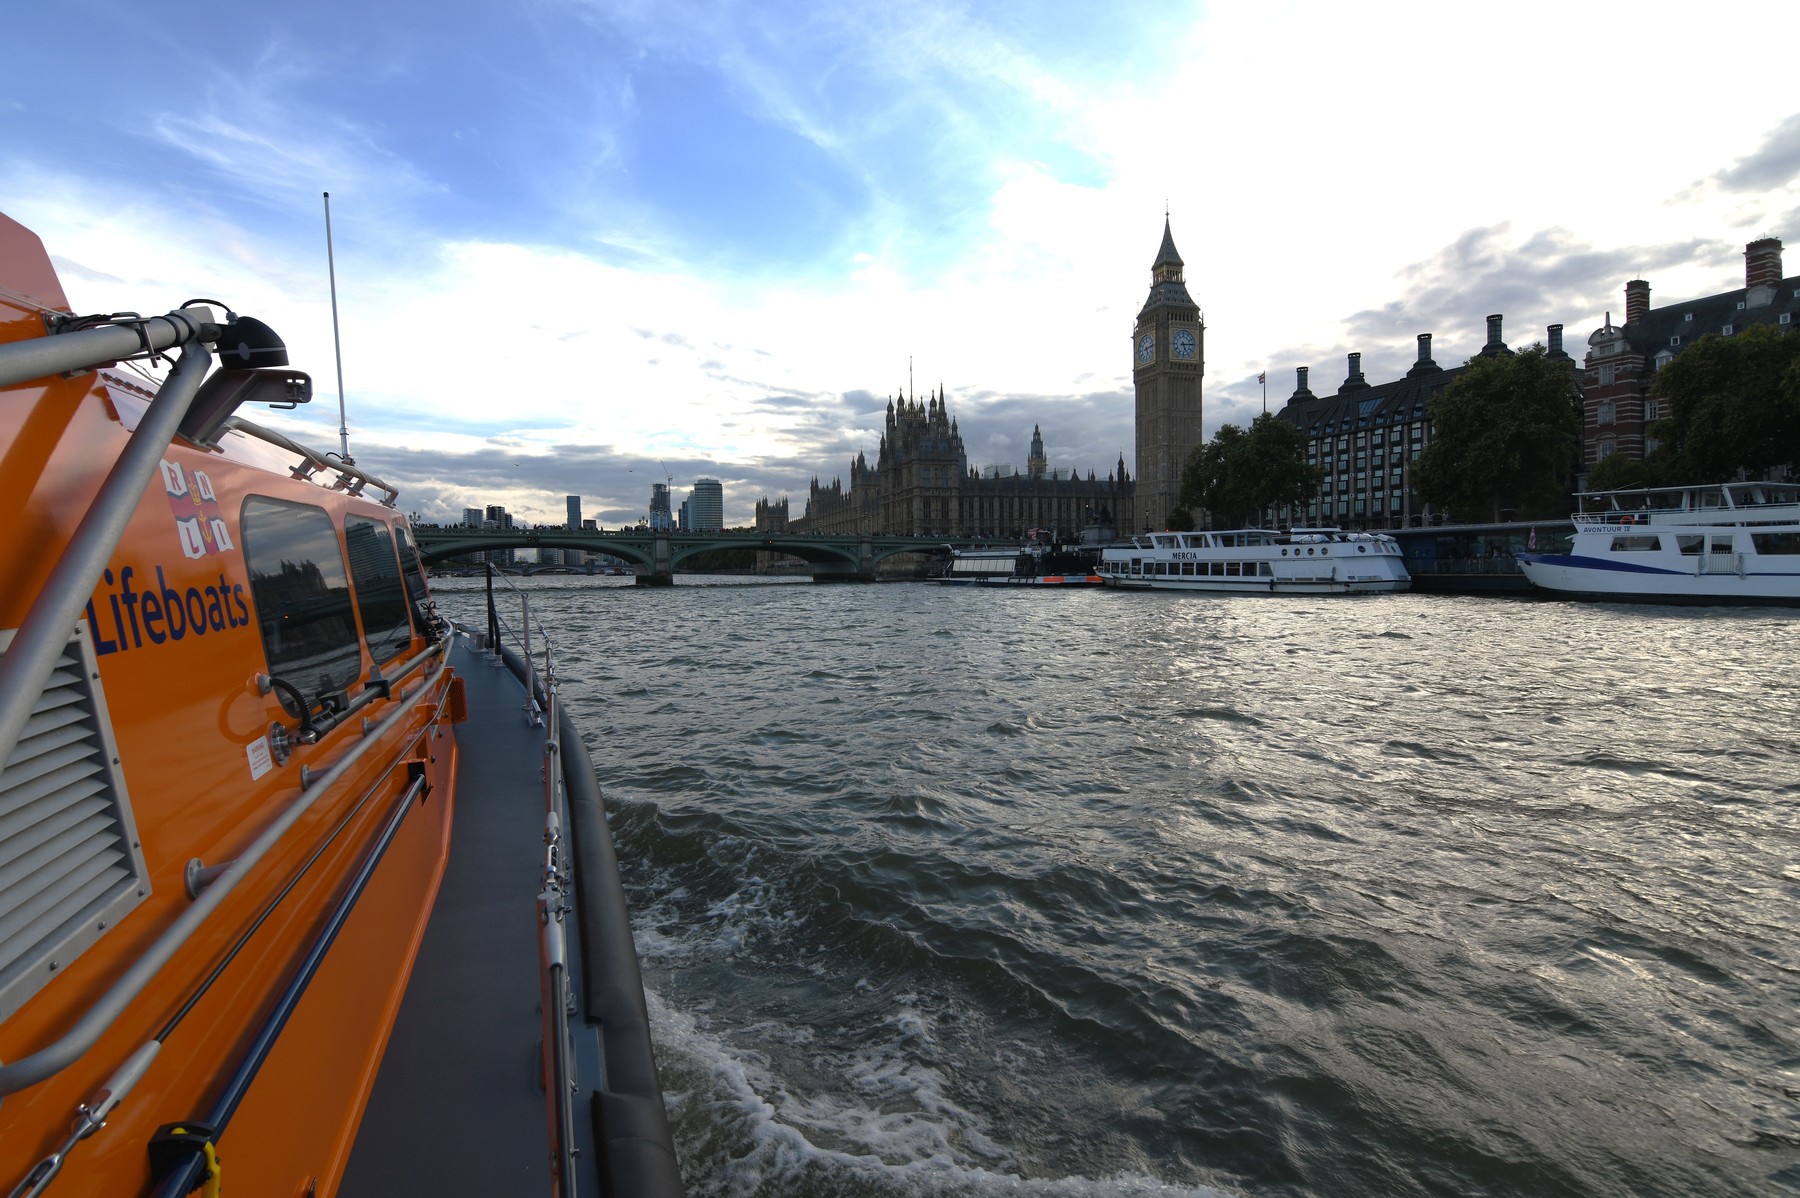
(921, 483)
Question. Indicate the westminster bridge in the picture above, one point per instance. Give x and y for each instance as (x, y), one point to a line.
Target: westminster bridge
(654, 555)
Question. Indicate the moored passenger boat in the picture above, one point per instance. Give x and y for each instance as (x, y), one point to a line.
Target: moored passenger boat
(1733, 542)
(1255, 561)
(239, 753)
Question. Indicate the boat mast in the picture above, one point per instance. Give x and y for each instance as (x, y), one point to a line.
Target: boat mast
(336, 341)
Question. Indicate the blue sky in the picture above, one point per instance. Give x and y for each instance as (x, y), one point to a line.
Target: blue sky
(579, 244)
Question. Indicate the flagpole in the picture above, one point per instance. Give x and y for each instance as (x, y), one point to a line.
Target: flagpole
(1263, 378)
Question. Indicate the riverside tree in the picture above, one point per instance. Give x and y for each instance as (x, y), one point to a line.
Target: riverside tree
(1616, 472)
(1504, 438)
(1239, 473)
(1733, 405)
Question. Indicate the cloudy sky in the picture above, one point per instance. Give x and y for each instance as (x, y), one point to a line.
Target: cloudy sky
(582, 242)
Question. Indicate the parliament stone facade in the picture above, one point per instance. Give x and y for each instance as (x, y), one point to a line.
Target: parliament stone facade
(921, 484)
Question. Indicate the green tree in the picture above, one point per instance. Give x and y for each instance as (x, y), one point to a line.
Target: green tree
(1616, 472)
(1732, 404)
(1239, 473)
(1504, 437)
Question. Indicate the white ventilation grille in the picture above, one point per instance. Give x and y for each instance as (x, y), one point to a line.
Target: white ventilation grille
(70, 863)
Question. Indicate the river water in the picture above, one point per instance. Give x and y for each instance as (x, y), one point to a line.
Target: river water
(946, 892)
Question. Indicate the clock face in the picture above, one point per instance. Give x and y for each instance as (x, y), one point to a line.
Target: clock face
(1182, 344)
(1146, 347)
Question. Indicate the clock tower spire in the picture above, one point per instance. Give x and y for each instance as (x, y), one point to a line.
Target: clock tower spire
(1169, 358)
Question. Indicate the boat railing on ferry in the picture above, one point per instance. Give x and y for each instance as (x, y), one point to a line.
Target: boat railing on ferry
(1735, 542)
(1257, 561)
(283, 876)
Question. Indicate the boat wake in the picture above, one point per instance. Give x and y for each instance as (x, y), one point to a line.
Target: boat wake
(746, 1130)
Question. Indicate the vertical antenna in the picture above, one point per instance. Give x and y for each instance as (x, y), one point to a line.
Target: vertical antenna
(336, 341)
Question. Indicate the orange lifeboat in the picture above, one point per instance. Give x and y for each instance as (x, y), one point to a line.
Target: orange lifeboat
(230, 772)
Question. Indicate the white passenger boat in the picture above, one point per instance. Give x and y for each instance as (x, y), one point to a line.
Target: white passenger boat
(1255, 561)
(1721, 543)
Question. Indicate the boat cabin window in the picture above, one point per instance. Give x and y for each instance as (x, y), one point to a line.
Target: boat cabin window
(302, 596)
(1637, 544)
(1776, 542)
(411, 568)
(380, 592)
(1690, 546)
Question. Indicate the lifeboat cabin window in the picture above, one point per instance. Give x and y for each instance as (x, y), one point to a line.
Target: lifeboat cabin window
(411, 568)
(302, 595)
(380, 593)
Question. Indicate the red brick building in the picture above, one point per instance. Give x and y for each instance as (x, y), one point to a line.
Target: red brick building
(1622, 360)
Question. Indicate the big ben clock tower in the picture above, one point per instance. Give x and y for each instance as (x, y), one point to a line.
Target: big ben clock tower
(1169, 355)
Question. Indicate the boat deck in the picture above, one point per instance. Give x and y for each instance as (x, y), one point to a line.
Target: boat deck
(457, 1107)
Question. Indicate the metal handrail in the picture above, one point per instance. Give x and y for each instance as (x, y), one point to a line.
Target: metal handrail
(312, 461)
(63, 1052)
(536, 696)
(555, 902)
(381, 686)
(182, 1180)
(58, 605)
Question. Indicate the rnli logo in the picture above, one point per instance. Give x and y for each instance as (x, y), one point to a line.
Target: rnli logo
(197, 517)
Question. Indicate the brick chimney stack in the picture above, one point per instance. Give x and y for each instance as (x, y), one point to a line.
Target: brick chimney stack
(1637, 300)
(1300, 390)
(1355, 379)
(1556, 348)
(1762, 271)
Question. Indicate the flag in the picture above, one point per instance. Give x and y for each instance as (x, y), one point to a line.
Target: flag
(1531, 541)
(1263, 377)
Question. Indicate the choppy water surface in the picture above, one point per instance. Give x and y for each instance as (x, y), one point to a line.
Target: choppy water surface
(955, 893)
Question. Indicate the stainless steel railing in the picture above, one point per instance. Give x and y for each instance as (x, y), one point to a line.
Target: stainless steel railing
(555, 902)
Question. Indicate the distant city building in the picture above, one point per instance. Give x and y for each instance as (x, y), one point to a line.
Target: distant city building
(1622, 360)
(494, 518)
(1367, 437)
(574, 502)
(660, 516)
(704, 510)
(473, 516)
(1168, 362)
